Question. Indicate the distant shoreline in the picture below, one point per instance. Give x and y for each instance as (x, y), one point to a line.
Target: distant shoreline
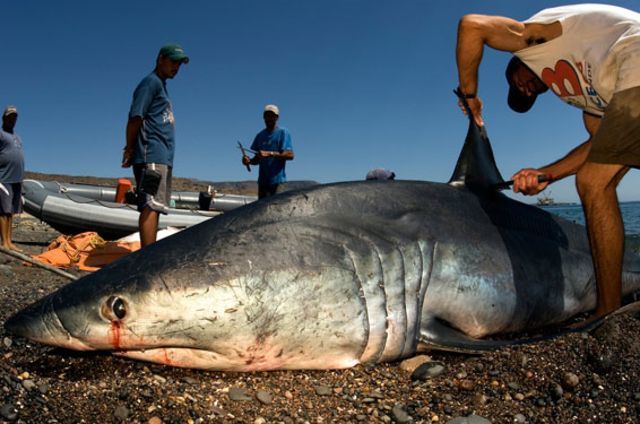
(246, 187)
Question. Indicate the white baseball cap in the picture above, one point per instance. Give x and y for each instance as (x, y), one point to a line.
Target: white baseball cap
(10, 110)
(272, 108)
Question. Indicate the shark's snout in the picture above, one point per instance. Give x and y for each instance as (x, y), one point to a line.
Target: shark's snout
(39, 322)
(28, 322)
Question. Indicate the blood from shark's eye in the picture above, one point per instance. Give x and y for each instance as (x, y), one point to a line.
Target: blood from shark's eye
(114, 309)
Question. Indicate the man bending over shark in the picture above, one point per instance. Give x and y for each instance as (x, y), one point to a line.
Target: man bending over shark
(588, 55)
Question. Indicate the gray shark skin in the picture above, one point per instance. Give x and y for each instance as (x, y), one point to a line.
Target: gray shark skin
(329, 277)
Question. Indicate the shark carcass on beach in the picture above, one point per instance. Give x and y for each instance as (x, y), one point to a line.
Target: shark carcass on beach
(335, 275)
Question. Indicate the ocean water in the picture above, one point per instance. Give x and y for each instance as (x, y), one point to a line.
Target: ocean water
(573, 212)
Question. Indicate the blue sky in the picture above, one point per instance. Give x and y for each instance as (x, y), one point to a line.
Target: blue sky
(360, 84)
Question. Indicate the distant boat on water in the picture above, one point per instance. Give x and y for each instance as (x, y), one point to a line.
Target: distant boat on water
(546, 200)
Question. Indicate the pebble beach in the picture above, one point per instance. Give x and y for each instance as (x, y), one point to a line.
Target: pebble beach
(580, 377)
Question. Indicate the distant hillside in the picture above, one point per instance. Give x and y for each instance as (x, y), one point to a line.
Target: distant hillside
(179, 183)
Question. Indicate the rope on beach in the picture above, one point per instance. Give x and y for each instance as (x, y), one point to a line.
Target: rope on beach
(24, 257)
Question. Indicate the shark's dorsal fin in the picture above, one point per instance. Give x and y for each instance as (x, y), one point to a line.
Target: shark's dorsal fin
(476, 167)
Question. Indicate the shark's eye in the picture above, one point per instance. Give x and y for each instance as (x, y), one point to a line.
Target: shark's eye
(114, 309)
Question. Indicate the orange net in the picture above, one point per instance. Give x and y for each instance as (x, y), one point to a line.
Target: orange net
(86, 251)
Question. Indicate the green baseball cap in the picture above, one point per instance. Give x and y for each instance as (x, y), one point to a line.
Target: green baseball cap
(174, 52)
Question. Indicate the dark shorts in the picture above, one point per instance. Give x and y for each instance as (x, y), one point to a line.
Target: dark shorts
(267, 190)
(153, 186)
(10, 198)
(617, 140)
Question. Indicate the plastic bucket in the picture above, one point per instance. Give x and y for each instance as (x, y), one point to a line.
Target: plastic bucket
(124, 186)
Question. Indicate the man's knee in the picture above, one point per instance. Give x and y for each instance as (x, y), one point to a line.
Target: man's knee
(594, 179)
(586, 183)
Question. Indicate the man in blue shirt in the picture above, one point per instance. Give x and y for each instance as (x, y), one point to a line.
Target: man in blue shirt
(272, 147)
(151, 141)
(11, 175)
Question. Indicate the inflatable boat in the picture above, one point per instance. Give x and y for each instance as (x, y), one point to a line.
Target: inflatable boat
(181, 199)
(75, 208)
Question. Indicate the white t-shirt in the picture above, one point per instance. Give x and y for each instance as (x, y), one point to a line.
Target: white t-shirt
(597, 55)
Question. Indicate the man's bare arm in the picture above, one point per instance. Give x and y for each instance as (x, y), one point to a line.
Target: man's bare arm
(133, 128)
(285, 154)
(572, 161)
(474, 31)
(525, 180)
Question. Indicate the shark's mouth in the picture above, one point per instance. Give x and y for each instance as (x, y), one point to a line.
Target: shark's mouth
(176, 356)
(186, 357)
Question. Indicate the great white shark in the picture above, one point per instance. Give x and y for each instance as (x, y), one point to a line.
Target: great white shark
(336, 275)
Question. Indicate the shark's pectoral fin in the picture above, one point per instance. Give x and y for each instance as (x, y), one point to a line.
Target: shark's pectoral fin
(438, 335)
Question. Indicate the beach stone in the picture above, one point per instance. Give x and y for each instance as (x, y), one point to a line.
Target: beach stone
(410, 365)
(400, 415)
(471, 419)
(190, 380)
(8, 412)
(29, 385)
(121, 413)
(264, 397)
(7, 379)
(376, 395)
(598, 380)
(428, 370)
(7, 342)
(460, 375)
(323, 390)
(43, 388)
(524, 358)
(480, 399)
(570, 380)
(160, 379)
(239, 394)
(519, 418)
(467, 385)
(218, 411)
(154, 420)
(557, 391)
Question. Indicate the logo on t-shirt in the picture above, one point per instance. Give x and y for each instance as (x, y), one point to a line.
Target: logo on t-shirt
(167, 116)
(573, 85)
